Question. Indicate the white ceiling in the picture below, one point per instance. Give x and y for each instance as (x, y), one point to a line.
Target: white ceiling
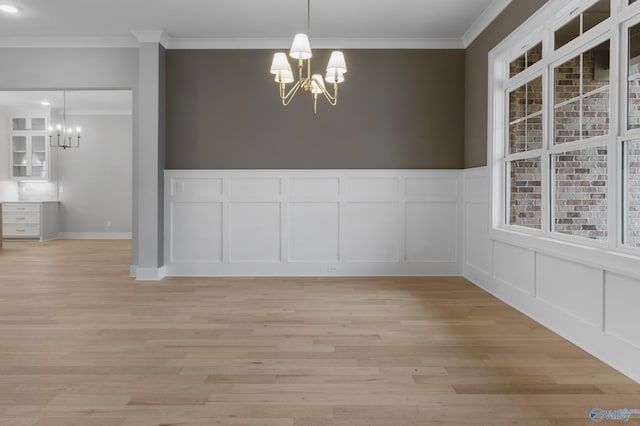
(79, 102)
(439, 22)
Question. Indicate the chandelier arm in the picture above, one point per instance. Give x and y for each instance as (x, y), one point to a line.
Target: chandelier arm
(286, 99)
(333, 99)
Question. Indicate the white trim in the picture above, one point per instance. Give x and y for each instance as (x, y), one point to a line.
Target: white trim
(611, 254)
(226, 43)
(201, 239)
(68, 42)
(594, 336)
(483, 21)
(151, 274)
(319, 43)
(611, 350)
(152, 37)
(573, 249)
(123, 112)
(132, 271)
(159, 36)
(94, 235)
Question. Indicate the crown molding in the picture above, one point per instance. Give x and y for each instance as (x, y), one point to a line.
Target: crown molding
(226, 43)
(318, 43)
(152, 37)
(484, 20)
(68, 42)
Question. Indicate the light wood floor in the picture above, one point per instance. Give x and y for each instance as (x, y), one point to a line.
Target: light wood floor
(81, 344)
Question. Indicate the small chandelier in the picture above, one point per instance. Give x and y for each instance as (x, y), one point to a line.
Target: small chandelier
(311, 83)
(63, 136)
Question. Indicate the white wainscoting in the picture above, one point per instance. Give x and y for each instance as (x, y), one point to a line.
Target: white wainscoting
(313, 222)
(592, 307)
(94, 235)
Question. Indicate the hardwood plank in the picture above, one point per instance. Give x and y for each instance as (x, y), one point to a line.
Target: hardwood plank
(81, 343)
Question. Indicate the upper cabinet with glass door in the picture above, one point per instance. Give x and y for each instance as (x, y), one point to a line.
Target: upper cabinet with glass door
(29, 155)
(29, 124)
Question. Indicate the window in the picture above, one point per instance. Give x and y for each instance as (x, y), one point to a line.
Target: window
(582, 23)
(581, 107)
(581, 113)
(523, 62)
(525, 114)
(633, 76)
(566, 131)
(524, 165)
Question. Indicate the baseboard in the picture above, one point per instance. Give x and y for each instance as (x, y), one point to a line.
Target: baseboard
(613, 351)
(151, 274)
(310, 269)
(94, 235)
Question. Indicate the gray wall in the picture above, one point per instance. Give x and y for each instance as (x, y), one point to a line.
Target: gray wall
(397, 109)
(96, 179)
(68, 69)
(162, 144)
(148, 159)
(4, 144)
(476, 77)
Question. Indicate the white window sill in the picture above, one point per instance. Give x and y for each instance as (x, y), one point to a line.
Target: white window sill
(604, 258)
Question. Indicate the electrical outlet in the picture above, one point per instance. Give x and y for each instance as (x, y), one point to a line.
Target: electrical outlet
(61, 188)
(108, 224)
(332, 269)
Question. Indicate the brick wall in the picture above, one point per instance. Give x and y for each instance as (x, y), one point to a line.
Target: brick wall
(634, 97)
(632, 191)
(525, 134)
(525, 208)
(580, 194)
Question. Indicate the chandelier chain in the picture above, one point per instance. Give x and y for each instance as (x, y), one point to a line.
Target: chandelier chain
(309, 18)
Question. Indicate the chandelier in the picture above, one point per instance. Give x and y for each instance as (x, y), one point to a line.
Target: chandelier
(311, 83)
(63, 136)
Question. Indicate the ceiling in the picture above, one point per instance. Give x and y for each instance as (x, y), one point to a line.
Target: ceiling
(78, 102)
(443, 22)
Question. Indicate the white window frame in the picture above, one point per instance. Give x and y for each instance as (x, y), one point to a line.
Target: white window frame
(610, 254)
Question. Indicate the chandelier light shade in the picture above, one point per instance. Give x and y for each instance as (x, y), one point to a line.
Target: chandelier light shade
(300, 48)
(62, 135)
(337, 63)
(311, 83)
(317, 84)
(335, 77)
(280, 63)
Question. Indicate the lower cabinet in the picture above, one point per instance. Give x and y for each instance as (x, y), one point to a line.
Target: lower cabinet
(30, 220)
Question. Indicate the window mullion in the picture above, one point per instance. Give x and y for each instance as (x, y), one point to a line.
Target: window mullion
(548, 100)
(614, 155)
(577, 145)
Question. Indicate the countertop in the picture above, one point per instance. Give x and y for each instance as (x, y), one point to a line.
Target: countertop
(29, 201)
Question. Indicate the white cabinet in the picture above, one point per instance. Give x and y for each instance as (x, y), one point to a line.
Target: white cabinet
(29, 157)
(29, 124)
(30, 220)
